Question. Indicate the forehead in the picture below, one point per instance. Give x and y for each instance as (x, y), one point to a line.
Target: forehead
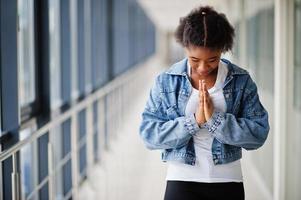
(202, 53)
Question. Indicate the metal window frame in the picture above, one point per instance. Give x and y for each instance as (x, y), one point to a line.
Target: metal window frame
(0, 91)
(285, 169)
(281, 78)
(1, 180)
(296, 5)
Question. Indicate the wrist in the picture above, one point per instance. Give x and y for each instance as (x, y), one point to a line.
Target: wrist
(198, 121)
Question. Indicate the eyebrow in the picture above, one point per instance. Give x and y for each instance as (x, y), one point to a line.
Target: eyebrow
(207, 59)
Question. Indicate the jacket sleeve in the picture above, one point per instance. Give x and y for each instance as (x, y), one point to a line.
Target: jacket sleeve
(249, 130)
(157, 131)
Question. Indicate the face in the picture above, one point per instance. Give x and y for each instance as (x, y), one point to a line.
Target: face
(203, 61)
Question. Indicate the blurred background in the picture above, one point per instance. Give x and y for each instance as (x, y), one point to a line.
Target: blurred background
(75, 76)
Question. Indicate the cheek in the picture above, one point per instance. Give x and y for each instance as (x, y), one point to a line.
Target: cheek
(193, 65)
(213, 65)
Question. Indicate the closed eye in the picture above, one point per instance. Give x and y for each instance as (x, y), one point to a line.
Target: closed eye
(212, 60)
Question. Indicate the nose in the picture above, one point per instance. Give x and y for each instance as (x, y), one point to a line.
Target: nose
(202, 66)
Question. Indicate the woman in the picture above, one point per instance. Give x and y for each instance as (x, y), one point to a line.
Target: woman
(202, 111)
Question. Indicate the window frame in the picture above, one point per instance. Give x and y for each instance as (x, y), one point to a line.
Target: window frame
(297, 66)
(0, 95)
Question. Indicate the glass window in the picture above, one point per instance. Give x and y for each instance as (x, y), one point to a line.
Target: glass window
(260, 61)
(65, 44)
(0, 92)
(0, 97)
(82, 157)
(66, 153)
(44, 193)
(28, 165)
(82, 161)
(66, 138)
(0, 108)
(43, 157)
(82, 124)
(34, 166)
(54, 57)
(96, 36)
(26, 52)
(61, 145)
(81, 47)
(297, 70)
(67, 177)
(293, 137)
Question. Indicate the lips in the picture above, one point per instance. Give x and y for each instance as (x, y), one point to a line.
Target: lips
(203, 72)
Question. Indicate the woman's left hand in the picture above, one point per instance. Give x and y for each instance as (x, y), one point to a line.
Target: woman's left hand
(208, 104)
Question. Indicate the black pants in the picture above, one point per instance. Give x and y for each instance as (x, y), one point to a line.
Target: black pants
(182, 190)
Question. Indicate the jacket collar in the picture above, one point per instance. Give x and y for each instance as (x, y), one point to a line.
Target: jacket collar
(180, 68)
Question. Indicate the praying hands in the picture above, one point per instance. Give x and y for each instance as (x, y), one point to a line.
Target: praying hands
(205, 108)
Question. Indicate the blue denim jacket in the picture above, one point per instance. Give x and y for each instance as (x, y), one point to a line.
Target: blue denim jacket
(165, 126)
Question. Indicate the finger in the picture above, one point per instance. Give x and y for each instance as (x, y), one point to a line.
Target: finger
(205, 100)
(205, 92)
(201, 91)
(205, 87)
(200, 88)
(201, 104)
(202, 98)
(203, 81)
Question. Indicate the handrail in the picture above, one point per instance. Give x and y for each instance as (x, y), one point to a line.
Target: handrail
(115, 83)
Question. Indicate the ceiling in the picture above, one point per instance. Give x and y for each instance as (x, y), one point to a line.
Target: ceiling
(166, 13)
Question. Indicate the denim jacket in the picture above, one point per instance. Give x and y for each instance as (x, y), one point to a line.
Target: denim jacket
(165, 126)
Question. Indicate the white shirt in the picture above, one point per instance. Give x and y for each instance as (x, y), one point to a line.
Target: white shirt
(204, 170)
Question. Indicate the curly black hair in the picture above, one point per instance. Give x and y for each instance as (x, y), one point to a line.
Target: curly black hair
(204, 27)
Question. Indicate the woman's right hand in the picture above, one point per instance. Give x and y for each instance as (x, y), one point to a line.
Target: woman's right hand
(200, 115)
